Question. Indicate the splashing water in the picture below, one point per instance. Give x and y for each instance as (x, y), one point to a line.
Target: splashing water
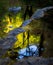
(26, 22)
(25, 52)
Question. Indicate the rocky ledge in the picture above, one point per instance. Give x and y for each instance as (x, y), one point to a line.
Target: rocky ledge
(27, 61)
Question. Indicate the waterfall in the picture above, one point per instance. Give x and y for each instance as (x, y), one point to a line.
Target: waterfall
(11, 37)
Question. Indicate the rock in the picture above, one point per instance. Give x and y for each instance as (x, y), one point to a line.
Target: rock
(35, 61)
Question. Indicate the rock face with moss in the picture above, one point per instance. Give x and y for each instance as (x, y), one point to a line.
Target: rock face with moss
(48, 20)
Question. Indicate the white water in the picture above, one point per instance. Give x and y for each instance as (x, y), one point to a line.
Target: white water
(14, 9)
(25, 52)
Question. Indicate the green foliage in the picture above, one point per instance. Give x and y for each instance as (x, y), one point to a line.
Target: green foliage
(3, 24)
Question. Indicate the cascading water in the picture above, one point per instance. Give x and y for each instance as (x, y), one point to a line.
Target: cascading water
(11, 38)
(39, 13)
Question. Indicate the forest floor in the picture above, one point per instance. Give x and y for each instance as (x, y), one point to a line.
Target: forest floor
(28, 61)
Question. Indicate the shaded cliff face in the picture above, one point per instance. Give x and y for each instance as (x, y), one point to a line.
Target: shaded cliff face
(48, 20)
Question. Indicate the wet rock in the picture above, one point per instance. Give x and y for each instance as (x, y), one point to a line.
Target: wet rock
(35, 61)
(4, 61)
